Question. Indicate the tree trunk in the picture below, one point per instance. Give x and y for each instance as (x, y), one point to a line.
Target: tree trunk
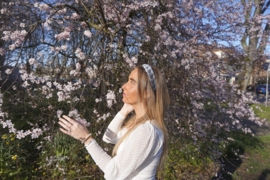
(244, 78)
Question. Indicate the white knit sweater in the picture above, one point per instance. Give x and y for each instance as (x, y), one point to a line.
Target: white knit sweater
(137, 156)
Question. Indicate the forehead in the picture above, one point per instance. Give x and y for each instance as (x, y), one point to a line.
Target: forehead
(134, 74)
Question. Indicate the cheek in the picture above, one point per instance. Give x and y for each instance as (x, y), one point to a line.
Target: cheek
(134, 92)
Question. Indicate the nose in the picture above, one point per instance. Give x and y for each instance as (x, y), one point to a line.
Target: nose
(124, 85)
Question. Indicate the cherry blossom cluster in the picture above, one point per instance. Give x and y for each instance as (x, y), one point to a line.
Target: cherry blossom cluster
(63, 35)
(17, 37)
(110, 98)
(104, 117)
(35, 132)
(74, 114)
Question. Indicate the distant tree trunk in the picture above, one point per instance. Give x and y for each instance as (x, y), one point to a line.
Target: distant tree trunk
(256, 45)
(244, 78)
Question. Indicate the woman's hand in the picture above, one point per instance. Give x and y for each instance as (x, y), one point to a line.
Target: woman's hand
(73, 128)
(126, 109)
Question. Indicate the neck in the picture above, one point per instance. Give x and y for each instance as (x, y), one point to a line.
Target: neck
(139, 111)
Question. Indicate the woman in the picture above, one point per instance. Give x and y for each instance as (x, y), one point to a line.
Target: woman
(142, 142)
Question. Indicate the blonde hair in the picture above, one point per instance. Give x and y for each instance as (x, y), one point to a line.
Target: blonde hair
(155, 106)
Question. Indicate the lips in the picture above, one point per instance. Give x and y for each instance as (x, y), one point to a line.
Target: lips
(124, 94)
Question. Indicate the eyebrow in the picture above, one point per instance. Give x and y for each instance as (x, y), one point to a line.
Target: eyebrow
(132, 79)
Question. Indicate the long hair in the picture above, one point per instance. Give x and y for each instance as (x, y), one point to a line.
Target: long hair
(155, 106)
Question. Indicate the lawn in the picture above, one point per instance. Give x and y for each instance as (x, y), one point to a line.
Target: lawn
(256, 161)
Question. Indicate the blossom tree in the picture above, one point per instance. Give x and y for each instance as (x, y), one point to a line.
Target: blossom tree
(255, 37)
(101, 41)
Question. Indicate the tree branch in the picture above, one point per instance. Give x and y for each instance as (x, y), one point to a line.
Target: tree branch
(264, 41)
(244, 41)
(265, 7)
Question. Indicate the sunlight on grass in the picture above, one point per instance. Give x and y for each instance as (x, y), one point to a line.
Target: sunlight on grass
(264, 114)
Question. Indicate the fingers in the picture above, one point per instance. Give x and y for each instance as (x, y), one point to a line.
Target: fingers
(64, 125)
(65, 122)
(72, 121)
(64, 131)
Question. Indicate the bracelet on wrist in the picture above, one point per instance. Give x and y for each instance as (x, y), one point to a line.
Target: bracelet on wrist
(89, 143)
(86, 138)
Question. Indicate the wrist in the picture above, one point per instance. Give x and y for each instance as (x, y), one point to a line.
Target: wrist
(88, 140)
(123, 112)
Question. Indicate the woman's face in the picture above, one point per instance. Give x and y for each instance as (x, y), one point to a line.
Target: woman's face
(130, 88)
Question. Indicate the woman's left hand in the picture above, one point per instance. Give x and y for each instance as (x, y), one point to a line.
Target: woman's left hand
(73, 128)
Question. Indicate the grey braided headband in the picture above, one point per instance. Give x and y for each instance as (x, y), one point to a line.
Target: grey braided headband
(151, 76)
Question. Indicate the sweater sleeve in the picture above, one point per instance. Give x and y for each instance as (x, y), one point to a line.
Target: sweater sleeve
(110, 135)
(137, 148)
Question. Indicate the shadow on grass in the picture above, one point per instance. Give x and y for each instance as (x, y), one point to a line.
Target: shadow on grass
(255, 128)
(264, 174)
(231, 156)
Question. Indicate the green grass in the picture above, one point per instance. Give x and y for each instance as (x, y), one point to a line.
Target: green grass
(256, 164)
(264, 114)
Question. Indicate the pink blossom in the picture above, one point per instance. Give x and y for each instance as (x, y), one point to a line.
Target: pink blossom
(59, 113)
(22, 25)
(78, 50)
(72, 72)
(31, 61)
(3, 11)
(62, 11)
(44, 7)
(74, 113)
(62, 35)
(75, 16)
(18, 35)
(110, 96)
(49, 84)
(83, 24)
(81, 55)
(78, 66)
(8, 71)
(88, 33)
(5, 38)
(46, 24)
(12, 47)
(64, 47)
(57, 49)
(147, 38)
(120, 90)
(36, 133)
(87, 70)
(134, 59)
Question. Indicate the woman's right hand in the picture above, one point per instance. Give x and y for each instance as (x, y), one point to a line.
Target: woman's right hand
(126, 109)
